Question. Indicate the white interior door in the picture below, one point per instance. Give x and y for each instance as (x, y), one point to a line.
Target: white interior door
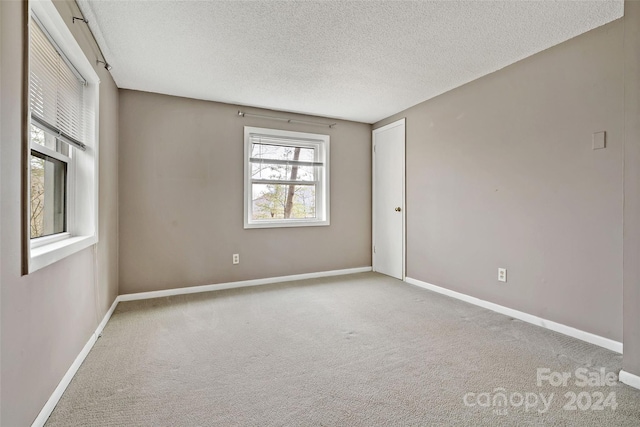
(388, 199)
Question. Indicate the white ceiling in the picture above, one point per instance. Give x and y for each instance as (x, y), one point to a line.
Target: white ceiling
(354, 60)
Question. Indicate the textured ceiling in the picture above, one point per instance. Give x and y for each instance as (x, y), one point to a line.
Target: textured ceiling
(355, 60)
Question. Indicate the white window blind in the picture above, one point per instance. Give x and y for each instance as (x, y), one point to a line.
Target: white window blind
(271, 154)
(56, 90)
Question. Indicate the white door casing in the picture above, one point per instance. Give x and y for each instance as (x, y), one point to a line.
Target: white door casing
(388, 232)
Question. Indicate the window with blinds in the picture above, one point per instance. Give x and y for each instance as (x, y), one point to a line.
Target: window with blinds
(286, 180)
(62, 142)
(58, 126)
(56, 90)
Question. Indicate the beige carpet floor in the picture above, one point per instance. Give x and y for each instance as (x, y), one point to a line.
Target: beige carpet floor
(359, 350)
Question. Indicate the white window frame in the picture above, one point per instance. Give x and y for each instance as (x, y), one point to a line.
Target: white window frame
(82, 171)
(321, 143)
(69, 193)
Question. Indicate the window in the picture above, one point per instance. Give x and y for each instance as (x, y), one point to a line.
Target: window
(62, 147)
(286, 178)
(48, 200)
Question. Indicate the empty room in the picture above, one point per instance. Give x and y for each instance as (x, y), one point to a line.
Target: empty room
(319, 213)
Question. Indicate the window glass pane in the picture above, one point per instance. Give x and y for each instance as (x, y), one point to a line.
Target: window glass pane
(282, 152)
(47, 195)
(282, 172)
(42, 138)
(282, 201)
(48, 140)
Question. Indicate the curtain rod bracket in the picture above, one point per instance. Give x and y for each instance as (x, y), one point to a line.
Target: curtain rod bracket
(106, 64)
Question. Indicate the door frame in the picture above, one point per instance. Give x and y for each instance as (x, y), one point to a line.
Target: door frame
(374, 132)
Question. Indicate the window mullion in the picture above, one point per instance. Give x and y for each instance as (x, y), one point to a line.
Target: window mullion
(284, 162)
(282, 182)
(49, 152)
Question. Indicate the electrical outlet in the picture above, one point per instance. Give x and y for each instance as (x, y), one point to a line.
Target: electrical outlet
(236, 258)
(502, 274)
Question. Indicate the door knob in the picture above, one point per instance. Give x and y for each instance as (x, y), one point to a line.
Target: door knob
(398, 209)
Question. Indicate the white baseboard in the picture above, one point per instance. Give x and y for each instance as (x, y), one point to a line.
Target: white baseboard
(525, 317)
(48, 408)
(629, 379)
(239, 284)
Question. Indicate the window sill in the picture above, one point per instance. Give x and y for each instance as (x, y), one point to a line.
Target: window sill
(45, 255)
(283, 224)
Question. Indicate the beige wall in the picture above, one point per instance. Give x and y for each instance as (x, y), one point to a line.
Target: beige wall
(631, 359)
(181, 198)
(501, 173)
(48, 316)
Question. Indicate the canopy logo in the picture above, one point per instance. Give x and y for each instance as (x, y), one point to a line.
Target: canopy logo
(500, 401)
